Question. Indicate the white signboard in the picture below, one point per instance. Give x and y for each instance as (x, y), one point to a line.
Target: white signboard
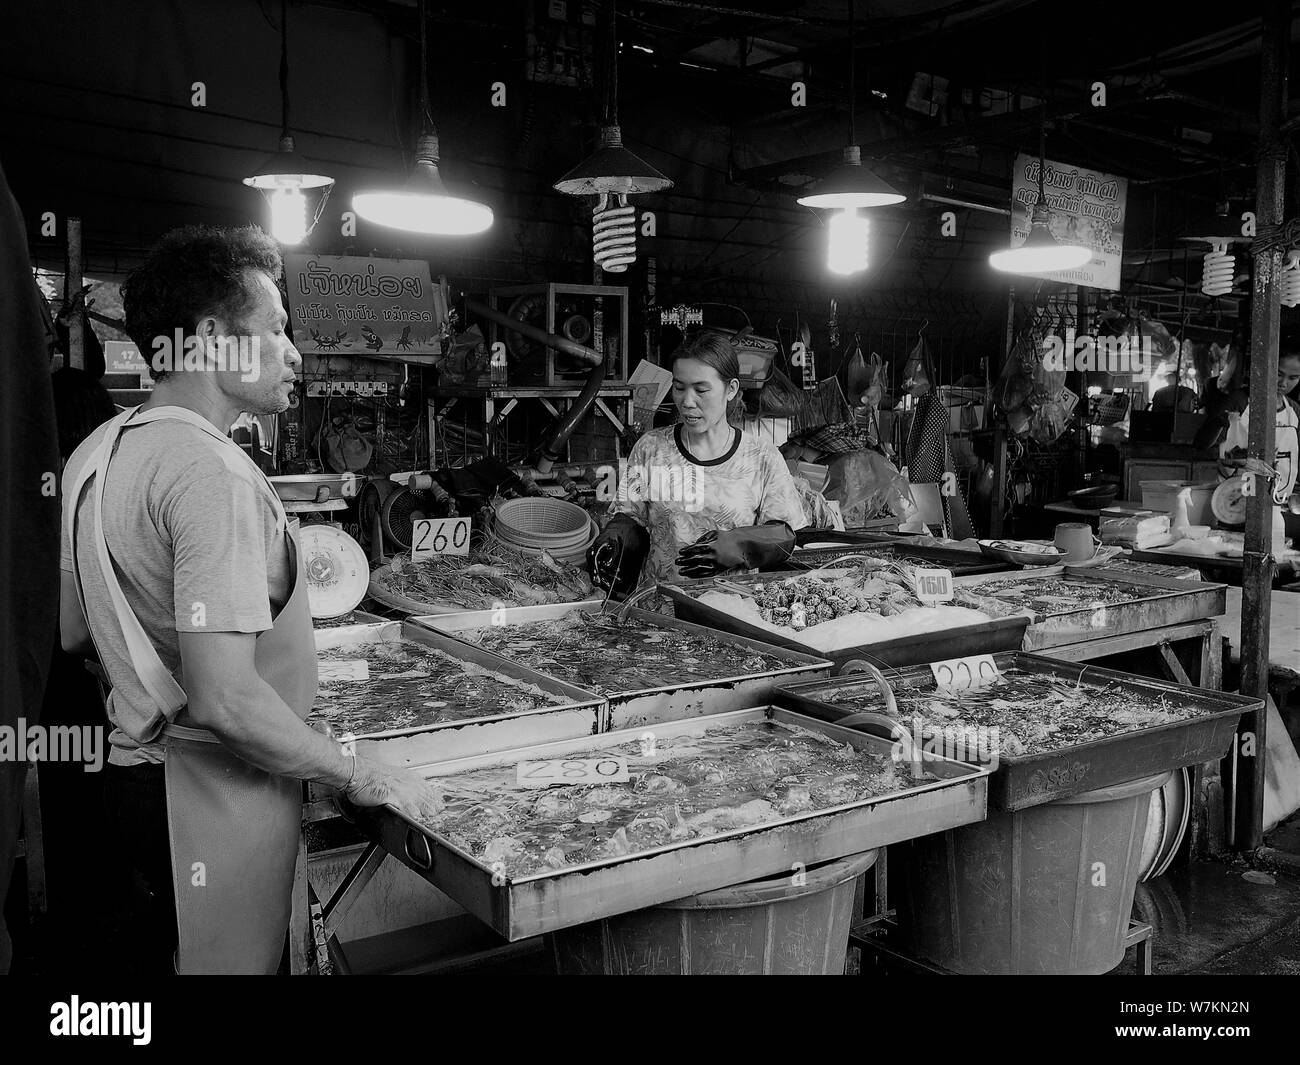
(1087, 207)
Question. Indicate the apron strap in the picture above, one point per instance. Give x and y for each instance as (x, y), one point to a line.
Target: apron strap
(157, 680)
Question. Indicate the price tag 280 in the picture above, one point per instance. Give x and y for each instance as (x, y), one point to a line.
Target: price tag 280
(571, 771)
(933, 585)
(957, 674)
(439, 536)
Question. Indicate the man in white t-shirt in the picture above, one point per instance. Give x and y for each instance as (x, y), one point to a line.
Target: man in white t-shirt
(1287, 431)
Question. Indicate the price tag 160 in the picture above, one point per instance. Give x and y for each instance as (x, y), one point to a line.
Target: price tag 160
(933, 585)
(571, 771)
(439, 536)
(957, 674)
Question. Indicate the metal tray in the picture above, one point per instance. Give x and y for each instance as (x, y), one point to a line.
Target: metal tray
(1024, 781)
(547, 901)
(668, 702)
(1000, 634)
(1169, 602)
(582, 715)
(362, 620)
(958, 562)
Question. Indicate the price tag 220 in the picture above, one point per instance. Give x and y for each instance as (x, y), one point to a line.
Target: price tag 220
(439, 536)
(608, 770)
(958, 674)
(933, 585)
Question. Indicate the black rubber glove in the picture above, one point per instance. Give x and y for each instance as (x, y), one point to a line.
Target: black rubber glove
(764, 546)
(616, 556)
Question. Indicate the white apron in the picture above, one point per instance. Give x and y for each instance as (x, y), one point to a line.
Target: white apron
(233, 828)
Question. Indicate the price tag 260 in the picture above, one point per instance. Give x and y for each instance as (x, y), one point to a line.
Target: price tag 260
(439, 536)
(957, 674)
(571, 771)
(933, 585)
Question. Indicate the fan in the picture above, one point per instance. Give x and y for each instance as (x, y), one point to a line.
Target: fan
(528, 357)
(391, 510)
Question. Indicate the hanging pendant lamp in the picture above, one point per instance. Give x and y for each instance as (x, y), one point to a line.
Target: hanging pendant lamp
(1220, 231)
(613, 173)
(283, 176)
(1041, 253)
(849, 188)
(424, 204)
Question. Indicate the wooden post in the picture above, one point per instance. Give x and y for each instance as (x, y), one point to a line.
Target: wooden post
(1257, 564)
(72, 275)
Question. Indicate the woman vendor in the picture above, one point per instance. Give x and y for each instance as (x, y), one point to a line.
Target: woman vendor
(1228, 421)
(698, 497)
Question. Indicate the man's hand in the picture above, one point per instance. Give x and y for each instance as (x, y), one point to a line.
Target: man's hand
(409, 793)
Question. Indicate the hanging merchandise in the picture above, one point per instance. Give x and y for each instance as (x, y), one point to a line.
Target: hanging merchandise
(612, 173)
(918, 372)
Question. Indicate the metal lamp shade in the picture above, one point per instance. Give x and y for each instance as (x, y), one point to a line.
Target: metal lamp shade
(424, 205)
(852, 185)
(286, 168)
(612, 169)
(1041, 252)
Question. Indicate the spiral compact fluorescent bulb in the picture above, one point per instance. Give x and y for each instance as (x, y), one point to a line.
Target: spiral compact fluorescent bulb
(1220, 268)
(613, 234)
(1289, 283)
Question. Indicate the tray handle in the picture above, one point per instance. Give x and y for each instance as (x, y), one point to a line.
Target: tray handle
(888, 721)
(417, 850)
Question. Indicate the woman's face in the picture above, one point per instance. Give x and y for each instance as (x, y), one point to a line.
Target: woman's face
(701, 395)
(1288, 373)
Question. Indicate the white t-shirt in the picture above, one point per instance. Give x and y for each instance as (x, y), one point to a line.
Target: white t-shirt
(1286, 442)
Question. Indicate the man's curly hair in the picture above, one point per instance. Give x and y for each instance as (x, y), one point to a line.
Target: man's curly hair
(193, 272)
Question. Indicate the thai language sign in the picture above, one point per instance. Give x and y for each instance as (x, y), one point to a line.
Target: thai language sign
(349, 304)
(1087, 207)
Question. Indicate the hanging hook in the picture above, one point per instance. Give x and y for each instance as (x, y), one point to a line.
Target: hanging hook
(924, 325)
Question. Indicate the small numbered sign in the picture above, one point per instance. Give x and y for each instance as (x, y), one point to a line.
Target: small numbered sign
(933, 585)
(571, 771)
(957, 674)
(354, 669)
(439, 536)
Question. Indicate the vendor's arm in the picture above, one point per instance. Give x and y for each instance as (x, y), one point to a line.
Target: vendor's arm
(768, 543)
(617, 554)
(230, 699)
(219, 527)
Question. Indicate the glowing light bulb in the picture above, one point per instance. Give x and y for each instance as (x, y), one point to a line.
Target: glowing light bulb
(613, 234)
(288, 214)
(1220, 267)
(848, 242)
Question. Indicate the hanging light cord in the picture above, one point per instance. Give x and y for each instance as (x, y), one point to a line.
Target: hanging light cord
(853, 84)
(426, 117)
(284, 68)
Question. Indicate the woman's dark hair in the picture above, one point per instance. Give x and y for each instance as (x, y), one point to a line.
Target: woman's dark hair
(81, 404)
(716, 351)
(190, 273)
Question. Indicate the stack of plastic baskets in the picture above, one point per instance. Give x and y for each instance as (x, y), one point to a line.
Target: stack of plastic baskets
(533, 525)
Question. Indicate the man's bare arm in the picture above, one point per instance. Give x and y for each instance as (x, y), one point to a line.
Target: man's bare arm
(230, 699)
(73, 633)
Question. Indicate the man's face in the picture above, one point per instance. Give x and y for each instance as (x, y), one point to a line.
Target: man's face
(266, 385)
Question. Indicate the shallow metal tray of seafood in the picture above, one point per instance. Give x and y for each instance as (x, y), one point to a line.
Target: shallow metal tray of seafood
(554, 899)
(1020, 781)
(582, 714)
(667, 702)
(356, 618)
(957, 562)
(1165, 601)
(1000, 634)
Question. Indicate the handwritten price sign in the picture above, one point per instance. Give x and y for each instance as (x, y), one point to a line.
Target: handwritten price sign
(933, 585)
(958, 674)
(439, 536)
(571, 771)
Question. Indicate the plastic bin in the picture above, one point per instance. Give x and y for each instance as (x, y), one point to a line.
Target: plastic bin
(789, 925)
(1160, 495)
(1043, 891)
